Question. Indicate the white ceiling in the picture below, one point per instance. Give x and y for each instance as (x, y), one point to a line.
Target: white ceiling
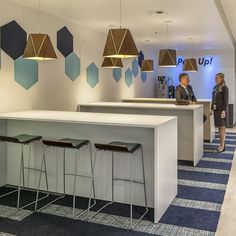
(198, 19)
(229, 7)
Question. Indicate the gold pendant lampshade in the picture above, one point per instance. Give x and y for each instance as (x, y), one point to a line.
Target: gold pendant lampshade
(167, 58)
(39, 47)
(190, 65)
(147, 66)
(109, 62)
(120, 44)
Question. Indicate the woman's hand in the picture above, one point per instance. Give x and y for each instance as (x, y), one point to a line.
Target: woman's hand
(222, 115)
(211, 113)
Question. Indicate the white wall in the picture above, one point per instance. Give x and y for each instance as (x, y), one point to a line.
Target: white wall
(54, 89)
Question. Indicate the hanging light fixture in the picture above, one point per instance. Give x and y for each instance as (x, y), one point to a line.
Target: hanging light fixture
(39, 46)
(109, 62)
(120, 43)
(190, 64)
(167, 57)
(147, 66)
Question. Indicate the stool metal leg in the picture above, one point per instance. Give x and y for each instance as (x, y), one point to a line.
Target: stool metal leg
(75, 177)
(21, 175)
(131, 197)
(43, 163)
(29, 160)
(145, 192)
(93, 185)
(112, 174)
(64, 170)
(109, 203)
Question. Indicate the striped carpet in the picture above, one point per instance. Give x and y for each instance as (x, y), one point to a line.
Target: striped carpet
(195, 210)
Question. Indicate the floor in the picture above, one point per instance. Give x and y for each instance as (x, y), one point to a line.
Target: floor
(227, 226)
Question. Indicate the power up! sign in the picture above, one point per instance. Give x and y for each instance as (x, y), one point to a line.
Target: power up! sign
(202, 61)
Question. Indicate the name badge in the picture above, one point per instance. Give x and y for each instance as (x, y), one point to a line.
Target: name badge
(214, 107)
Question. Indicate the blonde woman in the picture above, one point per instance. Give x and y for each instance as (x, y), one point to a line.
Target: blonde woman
(219, 108)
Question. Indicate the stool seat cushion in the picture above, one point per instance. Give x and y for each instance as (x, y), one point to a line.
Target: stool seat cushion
(22, 138)
(117, 146)
(66, 143)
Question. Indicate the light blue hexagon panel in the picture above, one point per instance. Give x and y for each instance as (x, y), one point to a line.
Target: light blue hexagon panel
(117, 73)
(72, 66)
(92, 75)
(25, 72)
(135, 67)
(128, 77)
(143, 76)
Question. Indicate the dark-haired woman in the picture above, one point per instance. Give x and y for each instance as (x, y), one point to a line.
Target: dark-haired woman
(219, 107)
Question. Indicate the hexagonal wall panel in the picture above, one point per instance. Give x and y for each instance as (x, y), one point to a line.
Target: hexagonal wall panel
(72, 66)
(128, 77)
(135, 67)
(143, 76)
(13, 39)
(25, 72)
(117, 73)
(92, 75)
(64, 41)
(140, 58)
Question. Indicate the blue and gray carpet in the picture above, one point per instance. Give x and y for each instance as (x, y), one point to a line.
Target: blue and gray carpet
(195, 211)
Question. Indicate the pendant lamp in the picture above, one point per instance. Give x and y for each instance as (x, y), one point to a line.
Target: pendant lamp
(39, 46)
(120, 43)
(190, 64)
(167, 57)
(109, 62)
(147, 66)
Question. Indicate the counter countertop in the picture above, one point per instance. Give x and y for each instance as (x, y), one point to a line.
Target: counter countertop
(88, 118)
(160, 99)
(141, 105)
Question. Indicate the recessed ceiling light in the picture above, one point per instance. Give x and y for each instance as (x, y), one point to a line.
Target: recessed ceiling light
(158, 12)
(208, 47)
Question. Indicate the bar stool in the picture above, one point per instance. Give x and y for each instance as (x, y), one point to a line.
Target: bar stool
(25, 140)
(128, 148)
(75, 144)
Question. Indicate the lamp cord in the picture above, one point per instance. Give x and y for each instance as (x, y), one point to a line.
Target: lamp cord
(167, 35)
(120, 14)
(39, 15)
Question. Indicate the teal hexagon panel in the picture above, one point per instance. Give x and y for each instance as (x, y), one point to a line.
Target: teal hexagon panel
(135, 67)
(72, 66)
(143, 76)
(128, 77)
(92, 75)
(25, 72)
(117, 73)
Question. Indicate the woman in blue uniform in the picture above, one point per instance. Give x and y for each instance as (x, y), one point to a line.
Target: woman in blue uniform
(219, 107)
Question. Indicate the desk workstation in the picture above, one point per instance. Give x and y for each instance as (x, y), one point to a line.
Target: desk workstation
(208, 127)
(190, 122)
(158, 136)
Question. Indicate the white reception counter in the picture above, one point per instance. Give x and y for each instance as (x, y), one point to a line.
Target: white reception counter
(208, 127)
(157, 134)
(190, 122)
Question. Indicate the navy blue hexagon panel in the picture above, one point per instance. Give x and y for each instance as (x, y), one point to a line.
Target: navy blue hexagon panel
(140, 58)
(0, 47)
(13, 39)
(64, 41)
